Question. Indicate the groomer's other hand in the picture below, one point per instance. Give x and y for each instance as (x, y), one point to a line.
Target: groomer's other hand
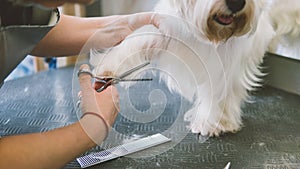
(91, 33)
(114, 29)
(105, 103)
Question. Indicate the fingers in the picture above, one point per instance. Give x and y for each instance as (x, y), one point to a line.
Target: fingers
(155, 19)
(85, 79)
(88, 102)
(109, 104)
(111, 93)
(141, 19)
(115, 96)
(105, 103)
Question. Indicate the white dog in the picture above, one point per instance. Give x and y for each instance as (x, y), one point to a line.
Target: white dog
(207, 50)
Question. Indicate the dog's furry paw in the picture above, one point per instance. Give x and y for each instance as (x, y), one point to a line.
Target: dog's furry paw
(224, 127)
(214, 123)
(215, 130)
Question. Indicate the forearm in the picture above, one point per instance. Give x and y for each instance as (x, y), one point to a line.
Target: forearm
(67, 37)
(70, 35)
(52, 149)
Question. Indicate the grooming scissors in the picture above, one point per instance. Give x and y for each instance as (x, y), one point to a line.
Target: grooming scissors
(111, 80)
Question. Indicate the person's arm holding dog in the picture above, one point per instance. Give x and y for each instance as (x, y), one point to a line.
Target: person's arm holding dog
(71, 33)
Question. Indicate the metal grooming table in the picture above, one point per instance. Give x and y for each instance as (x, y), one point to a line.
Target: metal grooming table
(269, 139)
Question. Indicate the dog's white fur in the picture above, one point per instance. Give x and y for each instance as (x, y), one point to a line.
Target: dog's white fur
(201, 59)
(285, 16)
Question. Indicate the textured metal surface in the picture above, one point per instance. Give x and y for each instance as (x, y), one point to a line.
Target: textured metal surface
(269, 139)
(282, 71)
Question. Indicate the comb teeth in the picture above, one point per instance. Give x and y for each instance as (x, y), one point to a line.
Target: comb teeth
(100, 157)
(122, 150)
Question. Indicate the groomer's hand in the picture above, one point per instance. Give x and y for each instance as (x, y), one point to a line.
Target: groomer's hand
(105, 103)
(114, 29)
(75, 35)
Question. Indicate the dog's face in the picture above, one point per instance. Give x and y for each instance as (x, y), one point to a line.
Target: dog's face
(229, 18)
(219, 20)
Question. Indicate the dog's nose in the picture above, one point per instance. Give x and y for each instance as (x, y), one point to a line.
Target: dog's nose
(236, 5)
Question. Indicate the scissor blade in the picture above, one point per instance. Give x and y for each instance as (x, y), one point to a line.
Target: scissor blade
(134, 80)
(114, 81)
(127, 73)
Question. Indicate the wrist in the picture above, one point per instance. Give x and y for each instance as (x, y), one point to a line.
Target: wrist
(95, 127)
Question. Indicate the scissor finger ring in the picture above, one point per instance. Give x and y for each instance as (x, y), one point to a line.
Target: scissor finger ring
(85, 71)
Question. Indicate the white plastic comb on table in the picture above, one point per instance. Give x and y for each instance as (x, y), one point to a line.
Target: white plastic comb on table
(122, 150)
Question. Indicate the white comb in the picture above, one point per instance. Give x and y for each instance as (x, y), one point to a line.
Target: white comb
(122, 150)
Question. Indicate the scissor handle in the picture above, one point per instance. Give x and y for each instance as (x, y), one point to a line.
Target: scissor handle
(106, 83)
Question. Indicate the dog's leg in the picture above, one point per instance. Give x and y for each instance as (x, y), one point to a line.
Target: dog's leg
(138, 48)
